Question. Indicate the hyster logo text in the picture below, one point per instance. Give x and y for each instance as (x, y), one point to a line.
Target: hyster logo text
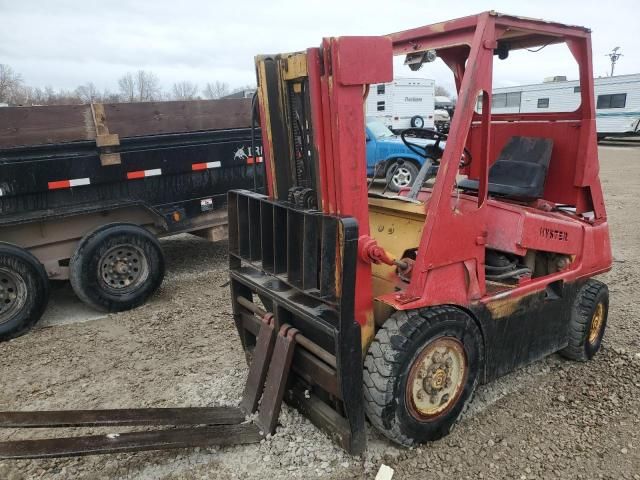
(553, 234)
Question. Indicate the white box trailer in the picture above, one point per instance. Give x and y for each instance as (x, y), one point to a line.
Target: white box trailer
(617, 101)
(403, 103)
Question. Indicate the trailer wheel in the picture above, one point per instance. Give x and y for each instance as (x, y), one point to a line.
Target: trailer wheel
(588, 321)
(24, 291)
(401, 174)
(117, 267)
(421, 370)
(417, 121)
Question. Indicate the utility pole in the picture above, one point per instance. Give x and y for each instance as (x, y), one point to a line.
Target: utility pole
(614, 55)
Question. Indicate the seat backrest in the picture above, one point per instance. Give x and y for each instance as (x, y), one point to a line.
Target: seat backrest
(528, 149)
(521, 168)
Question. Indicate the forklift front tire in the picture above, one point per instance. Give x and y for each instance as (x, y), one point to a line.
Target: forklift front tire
(588, 321)
(24, 291)
(420, 372)
(117, 267)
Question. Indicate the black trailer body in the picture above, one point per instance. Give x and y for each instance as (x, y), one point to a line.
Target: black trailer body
(65, 213)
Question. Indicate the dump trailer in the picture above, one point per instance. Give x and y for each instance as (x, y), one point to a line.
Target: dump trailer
(85, 191)
(352, 305)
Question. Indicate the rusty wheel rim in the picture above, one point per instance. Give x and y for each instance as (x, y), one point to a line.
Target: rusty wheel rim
(437, 378)
(597, 322)
(123, 269)
(13, 294)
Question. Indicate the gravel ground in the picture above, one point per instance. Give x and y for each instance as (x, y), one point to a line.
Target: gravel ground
(553, 419)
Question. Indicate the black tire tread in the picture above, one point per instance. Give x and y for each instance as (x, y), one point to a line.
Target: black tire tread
(584, 304)
(76, 264)
(390, 342)
(40, 276)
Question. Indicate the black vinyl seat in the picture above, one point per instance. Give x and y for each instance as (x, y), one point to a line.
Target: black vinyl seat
(520, 171)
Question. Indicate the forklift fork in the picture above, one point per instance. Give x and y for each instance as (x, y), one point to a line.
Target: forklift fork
(201, 426)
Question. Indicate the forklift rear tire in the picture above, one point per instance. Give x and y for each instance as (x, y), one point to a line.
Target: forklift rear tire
(588, 321)
(420, 372)
(117, 267)
(24, 291)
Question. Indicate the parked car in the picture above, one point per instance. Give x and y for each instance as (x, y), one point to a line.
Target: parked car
(389, 158)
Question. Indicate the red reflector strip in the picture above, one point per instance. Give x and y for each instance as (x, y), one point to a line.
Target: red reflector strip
(251, 162)
(75, 182)
(205, 166)
(144, 173)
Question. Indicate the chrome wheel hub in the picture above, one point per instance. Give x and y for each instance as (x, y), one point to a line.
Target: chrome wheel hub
(402, 177)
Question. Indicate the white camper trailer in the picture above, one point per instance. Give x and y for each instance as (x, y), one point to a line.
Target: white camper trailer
(617, 101)
(403, 103)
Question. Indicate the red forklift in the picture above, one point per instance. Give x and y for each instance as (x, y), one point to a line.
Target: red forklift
(351, 304)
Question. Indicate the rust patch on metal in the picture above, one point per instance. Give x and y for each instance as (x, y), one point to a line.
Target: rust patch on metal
(503, 307)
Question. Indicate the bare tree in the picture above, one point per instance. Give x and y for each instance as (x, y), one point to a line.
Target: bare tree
(147, 86)
(49, 94)
(140, 86)
(184, 90)
(127, 86)
(110, 97)
(20, 95)
(10, 83)
(38, 96)
(215, 90)
(88, 93)
(441, 91)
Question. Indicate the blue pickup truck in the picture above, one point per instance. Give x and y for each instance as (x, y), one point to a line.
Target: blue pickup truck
(385, 149)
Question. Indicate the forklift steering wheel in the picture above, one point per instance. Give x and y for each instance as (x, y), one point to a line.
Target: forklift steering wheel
(433, 151)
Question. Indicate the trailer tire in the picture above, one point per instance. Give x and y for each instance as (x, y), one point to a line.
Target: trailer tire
(117, 267)
(24, 291)
(588, 321)
(417, 121)
(401, 175)
(420, 372)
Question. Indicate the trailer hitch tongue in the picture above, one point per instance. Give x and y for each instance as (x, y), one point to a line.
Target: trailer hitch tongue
(207, 426)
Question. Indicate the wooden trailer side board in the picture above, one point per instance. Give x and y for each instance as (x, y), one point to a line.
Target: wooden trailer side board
(25, 126)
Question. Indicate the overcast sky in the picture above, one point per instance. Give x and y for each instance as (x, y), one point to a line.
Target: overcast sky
(65, 43)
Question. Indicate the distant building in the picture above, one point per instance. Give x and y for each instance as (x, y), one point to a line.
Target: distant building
(443, 102)
(245, 93)
(4, 104)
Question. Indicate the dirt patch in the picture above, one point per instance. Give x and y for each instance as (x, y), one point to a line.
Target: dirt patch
(553, 419)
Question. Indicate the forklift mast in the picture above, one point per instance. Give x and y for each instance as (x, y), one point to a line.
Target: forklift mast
(311, 110)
